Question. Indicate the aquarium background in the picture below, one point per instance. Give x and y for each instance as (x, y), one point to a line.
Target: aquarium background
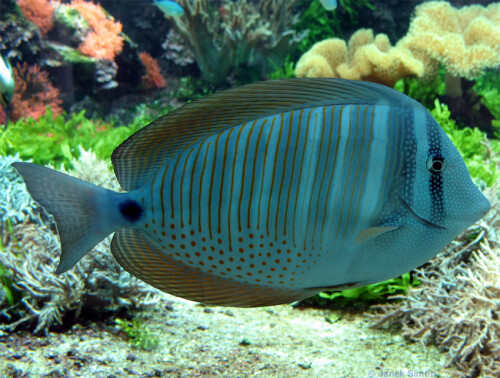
(89, 74)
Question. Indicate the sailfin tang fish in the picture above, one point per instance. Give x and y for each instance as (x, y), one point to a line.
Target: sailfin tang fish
(271, 192)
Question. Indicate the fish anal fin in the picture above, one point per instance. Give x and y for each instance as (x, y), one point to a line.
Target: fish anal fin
(372, 232)
(338, 287)
(140, 256)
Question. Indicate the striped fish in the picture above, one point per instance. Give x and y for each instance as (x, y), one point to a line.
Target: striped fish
(272, 192)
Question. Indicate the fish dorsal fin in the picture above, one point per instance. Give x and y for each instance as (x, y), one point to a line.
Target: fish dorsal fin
(138, 157)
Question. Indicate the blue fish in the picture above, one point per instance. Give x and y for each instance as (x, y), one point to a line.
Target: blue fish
(272, 192)
(329, 4)
(7, 86)
(169, 8)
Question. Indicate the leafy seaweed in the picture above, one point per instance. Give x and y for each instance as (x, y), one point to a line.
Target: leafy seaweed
(322, 24)
(488, 87)
(138, 335)
(470, 142)
(287, 71)
(424, 91)
(375, 292)
(56, 141)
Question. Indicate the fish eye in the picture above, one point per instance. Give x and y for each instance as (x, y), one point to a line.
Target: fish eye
(436, 164)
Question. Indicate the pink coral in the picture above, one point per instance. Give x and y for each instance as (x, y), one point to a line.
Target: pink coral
(39, 12)
(104, 41)
(153, 77)
(34, 92)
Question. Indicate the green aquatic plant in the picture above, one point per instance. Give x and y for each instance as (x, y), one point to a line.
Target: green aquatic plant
(57, 141)
(373, 293)
(424, 91)
(138, 335)
(488, 87)
(472, 144)
(287, 71)
(320, 23)
(191, 88)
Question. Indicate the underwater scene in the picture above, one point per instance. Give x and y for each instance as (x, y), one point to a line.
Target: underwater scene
(230, 188)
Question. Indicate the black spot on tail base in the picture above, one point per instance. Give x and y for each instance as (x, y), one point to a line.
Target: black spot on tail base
(131, 210)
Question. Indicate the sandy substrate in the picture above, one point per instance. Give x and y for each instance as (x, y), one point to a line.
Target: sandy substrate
(212, 341)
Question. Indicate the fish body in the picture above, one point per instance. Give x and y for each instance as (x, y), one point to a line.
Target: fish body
(272, 192)
(7, 86)
(169, 8)
(329, 4)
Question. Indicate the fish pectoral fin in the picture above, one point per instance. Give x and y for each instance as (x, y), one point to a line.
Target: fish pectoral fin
(372, 232)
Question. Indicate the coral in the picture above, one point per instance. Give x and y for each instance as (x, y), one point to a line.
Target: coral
(39, 12)
(14, 199)
(365, 57)
(465, 40)
(20, 38)
(153, 78)
(176, 49)
(34, 92)
(104, 41)
(31, 251)
(237, 33)
(457, 304)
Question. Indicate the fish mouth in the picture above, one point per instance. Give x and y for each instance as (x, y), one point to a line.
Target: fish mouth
(419, 218)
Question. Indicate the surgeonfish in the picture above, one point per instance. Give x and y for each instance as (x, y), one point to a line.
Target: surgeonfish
(169, 8)
(7, 86)
(329, 4)
(272, 192)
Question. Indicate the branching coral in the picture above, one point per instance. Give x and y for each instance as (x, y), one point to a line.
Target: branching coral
(457, 305)
(153, 78)
(14, 199)
(365, 57)
(34, 92)
(30, 254)
(104, 41)
(39, 12)
(239, 33)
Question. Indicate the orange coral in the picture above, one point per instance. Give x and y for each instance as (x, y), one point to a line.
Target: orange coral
(34, 92)
(153, 77)
(39, 12)
(104, 41)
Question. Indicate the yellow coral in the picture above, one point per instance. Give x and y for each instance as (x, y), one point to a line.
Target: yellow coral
(364, 58)
(465, 40)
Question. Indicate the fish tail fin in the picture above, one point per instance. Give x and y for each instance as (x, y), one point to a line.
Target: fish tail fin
(81, 210)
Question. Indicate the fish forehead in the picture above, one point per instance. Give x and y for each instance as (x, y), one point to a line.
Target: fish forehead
(274, 199)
